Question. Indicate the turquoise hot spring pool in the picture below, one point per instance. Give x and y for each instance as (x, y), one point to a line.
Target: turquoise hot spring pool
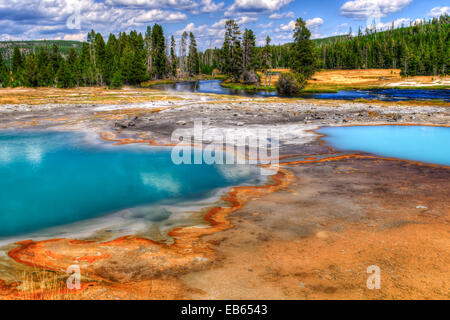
(52, 179)
(430, 144)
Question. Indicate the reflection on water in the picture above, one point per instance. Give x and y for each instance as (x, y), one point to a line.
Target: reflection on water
(213, 86)
(210, 86)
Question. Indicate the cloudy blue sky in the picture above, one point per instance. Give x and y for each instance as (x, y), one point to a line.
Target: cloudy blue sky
(72, 19)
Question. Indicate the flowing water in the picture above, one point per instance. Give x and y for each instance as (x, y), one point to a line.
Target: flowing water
(213, 86)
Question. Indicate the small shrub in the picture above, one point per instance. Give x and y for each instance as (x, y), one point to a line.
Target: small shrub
(116, 82)
(290, 84)
(250, 78)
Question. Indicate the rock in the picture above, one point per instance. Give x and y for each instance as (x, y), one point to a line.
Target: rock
(125, 124)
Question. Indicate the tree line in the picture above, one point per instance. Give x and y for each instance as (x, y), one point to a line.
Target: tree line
(423, 48)
(124, 59)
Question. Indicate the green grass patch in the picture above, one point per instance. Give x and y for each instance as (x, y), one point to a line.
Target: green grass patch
(246, 87)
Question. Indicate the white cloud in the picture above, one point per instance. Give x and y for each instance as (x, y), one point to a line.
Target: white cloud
(265, 26)
(439, 11)
(159, 15)
(285, 30)
(245, 19)
(208, 6)
(286, 27)
(155, 4)
(240, 21)
(314, 23)
(284, 15)
(365, 9)
(256, 6)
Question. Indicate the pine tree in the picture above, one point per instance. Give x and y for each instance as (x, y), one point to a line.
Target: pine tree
(86, 67)
(4, 73)
(159, 59)
(73, 69)
(266, 59)
(226, 50)
(55, 60)
(173, 57)
(193, 61)
(126, 61)
(62, 76)
(44, 69)
(17, 60)
(232, 51)
(116, 82)
(100, 55)
(30, 71)
(112, 58)
(249, 52)
(303, 51)
(138, 67)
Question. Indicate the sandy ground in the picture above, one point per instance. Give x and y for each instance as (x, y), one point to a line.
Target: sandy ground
(310, 233)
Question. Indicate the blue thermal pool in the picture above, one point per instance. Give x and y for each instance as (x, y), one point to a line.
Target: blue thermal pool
(418, 143)
(55, 178)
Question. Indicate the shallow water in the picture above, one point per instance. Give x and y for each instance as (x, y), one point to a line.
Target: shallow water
(213, 86)
(210, 86)
(56, 178)
(419, 143)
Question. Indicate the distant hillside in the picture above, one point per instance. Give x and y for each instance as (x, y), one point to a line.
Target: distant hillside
(327, 40)
(7, 47)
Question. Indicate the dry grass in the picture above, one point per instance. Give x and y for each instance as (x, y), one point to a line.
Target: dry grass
(94, 95)
(349, 77)
(273, 78)
(335, 80)
(43, 285)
